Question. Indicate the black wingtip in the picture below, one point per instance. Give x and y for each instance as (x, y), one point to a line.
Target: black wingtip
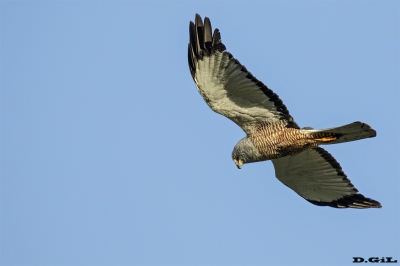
(202, 41)
(198, 20)
(207, 30)
(191, 50)
(356, 201)
(207, 36)
(199, 27)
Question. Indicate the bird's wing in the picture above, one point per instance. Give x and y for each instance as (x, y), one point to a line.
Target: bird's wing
(316, 176)
(226, 85)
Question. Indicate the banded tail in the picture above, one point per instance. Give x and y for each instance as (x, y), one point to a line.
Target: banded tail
(346, 133)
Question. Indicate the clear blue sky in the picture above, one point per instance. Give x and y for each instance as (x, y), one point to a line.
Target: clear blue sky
(110, 156)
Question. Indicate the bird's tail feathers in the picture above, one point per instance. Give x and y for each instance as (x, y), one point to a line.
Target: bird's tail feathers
(346, 133)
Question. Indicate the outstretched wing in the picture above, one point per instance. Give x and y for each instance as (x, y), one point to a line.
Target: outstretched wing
(316, 176)
(226, 85)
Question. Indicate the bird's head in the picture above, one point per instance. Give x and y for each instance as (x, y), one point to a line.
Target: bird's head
(245, 152)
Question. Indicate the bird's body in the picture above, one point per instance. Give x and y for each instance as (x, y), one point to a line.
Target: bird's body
(271, 132)
(276, 140)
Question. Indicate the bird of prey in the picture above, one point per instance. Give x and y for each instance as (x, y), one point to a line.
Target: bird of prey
(271, 132)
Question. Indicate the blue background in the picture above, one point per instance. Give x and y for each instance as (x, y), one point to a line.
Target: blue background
(109, 155)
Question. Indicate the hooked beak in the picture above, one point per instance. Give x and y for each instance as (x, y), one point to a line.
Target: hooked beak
(238, 163)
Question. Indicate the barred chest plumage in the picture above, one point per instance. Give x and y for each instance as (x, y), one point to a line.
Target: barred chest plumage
(278, 139)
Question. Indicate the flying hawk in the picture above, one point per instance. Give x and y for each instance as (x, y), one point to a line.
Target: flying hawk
(271, 132)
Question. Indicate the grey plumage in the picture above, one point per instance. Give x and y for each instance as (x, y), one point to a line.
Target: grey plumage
(302, 173)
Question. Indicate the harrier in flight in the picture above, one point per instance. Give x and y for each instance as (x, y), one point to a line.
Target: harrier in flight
(271, 132)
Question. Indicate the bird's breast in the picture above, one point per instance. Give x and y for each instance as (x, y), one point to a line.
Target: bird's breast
(275, 140)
